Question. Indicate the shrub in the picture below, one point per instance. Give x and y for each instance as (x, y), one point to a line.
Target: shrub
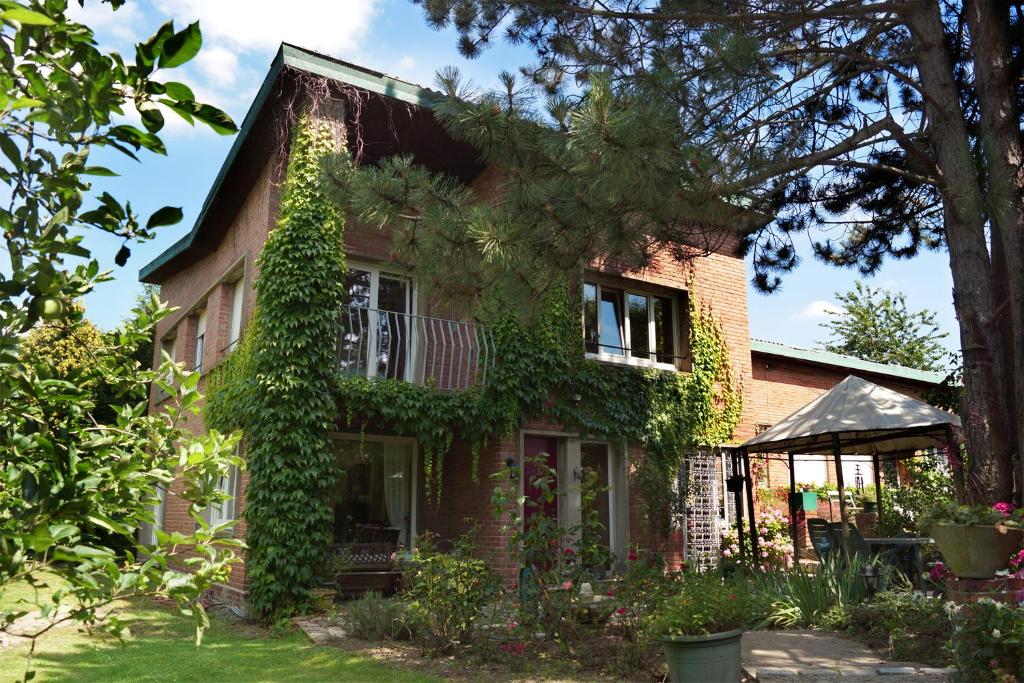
(774, 545)
(988, 641)
(447, 593)
(911, 627)
(374, 617)
(706, 603)
(639, 594)
(804, 598)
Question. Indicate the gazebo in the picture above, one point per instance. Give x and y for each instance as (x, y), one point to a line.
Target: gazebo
(855, 417)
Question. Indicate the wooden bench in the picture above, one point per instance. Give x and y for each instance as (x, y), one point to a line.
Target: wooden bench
(364, 567)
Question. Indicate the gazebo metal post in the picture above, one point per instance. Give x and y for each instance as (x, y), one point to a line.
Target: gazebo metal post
(837, 454)
(792, 501)
(875, 462)
(738, 499)
(754, 551)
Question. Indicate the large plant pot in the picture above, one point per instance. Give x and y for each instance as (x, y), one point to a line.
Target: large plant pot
(700, 659)
(975, 552)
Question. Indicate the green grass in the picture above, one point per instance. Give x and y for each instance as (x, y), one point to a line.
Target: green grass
(162, 648)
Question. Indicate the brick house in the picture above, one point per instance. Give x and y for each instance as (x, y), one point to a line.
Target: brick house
(636, 318)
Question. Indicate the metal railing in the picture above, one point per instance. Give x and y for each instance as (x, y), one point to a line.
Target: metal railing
(451, 355)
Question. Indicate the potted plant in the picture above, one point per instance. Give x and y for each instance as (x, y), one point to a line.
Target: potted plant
(975, 541)
(323, 596)
(702, 628)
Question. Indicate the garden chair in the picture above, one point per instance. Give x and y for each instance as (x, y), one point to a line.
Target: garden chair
(821, 537)
(856, 546)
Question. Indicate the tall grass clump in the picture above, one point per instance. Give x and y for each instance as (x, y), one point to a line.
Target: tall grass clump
(804, 598)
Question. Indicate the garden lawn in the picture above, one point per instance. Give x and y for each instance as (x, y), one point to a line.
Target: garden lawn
(162, 648)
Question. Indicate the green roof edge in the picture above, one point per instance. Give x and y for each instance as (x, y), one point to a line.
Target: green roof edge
(841, 361)
(310, 62)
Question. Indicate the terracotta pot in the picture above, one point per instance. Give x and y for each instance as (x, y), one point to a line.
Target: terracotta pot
(975, 551)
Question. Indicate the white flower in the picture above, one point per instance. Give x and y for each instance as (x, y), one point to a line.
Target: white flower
(996, 634)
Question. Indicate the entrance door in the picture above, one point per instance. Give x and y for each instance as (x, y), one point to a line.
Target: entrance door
(532, 447)
(594, 456)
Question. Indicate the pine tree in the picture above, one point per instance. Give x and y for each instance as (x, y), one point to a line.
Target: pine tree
(887, 128)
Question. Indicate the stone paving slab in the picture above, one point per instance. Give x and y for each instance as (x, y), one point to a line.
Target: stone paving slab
(804, 656)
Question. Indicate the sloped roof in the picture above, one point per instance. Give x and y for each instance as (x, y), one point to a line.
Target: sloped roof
(867, 418)
(839, 360)
(294, 57)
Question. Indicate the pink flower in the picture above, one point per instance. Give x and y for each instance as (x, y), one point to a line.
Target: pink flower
(621, 610)
(611, 594)
(512, 625)
(570, 551)
(726, 553)
(567, 584)
(1005, 508)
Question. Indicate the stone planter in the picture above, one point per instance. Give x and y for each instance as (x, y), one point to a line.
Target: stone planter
(698, 659)
(323, 598)
(975, 551)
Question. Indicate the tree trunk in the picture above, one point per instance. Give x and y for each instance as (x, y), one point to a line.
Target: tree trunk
(988, 23)
(986, 420)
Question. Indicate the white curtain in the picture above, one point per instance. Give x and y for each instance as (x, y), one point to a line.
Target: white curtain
(396, 490)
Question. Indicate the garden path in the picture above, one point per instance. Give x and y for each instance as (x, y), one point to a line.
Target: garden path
(814, 655)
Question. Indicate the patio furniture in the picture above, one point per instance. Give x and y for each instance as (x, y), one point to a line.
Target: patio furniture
(821, 537)
(834, 499)
(364, 567)
(898, 544)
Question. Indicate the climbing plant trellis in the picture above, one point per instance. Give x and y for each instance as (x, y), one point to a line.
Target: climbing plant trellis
(707, 510)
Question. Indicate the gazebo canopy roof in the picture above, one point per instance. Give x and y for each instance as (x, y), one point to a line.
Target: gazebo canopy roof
(867, 418)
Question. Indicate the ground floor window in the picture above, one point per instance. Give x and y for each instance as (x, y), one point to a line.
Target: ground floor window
(374, 501)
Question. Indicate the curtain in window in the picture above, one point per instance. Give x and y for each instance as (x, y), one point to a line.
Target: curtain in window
(396, 492)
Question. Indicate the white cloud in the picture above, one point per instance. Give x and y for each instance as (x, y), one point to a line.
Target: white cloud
(218, 65)
(122, 24)
(335, 28)
(819, 309)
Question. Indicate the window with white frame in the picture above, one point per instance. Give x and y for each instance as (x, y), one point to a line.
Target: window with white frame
(376, 339)
(147, 530)
(200, 340)
(167, 345)
(237, 299)
(227, 510)
(628, 325)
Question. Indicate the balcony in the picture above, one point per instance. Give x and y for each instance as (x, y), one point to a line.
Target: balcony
(450, 355)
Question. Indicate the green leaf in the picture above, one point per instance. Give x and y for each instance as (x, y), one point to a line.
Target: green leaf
(168, 215)
(181, 47)
(27, 17)
(179, 91)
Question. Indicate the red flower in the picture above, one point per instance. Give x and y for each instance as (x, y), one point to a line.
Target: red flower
(621, 610)
(570, 551)
(632, 557)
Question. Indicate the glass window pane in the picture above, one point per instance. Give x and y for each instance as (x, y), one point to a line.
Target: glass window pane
(610, 317)
(639, 333)
(393, 327)
(357, 288)
(590, 316)
(353, 354)
(664, 329)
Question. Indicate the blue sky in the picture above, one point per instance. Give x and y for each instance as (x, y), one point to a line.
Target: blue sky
(240, 39)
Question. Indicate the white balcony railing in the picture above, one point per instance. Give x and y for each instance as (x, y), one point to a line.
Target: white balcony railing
(451, 355)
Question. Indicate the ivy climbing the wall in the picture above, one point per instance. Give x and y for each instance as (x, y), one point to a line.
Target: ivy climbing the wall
(283, 389)
(279, 386)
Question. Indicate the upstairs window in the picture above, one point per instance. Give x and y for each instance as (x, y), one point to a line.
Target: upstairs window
(629, 326)
(200, 339)
(376, 339)
(237, 299)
